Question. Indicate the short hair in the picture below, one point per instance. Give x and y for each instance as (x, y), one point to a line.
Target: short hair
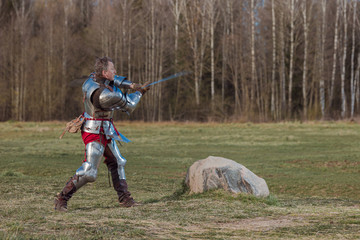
(101, 64)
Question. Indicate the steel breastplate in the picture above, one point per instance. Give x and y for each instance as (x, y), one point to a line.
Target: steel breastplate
(88, 89)
(97, 119)
(95, 114)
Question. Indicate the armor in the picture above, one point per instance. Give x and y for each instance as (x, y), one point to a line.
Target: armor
(110, 100)
(116, 99)
(101, 98)
(96, 119)
(121, 161)
(88, 170)
(88, 88)
(122, 82)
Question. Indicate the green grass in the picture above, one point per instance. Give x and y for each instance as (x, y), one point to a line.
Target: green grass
(312, 170)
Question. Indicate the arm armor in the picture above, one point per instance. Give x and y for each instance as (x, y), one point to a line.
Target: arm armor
(122, 82)
(116, 99)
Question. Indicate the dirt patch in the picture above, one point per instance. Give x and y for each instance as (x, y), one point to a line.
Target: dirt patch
(325, 164)
(299, 161)
(264, 223)
(344, 163)
(251, 224)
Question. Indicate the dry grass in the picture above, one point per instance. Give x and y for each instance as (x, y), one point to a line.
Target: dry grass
(312, 171)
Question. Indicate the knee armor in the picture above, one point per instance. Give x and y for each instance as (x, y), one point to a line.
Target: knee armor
(88, 170)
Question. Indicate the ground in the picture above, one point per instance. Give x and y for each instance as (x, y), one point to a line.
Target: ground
(312, 170)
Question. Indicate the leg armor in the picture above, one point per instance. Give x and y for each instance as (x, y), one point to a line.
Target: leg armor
(121, 161)
(88, 171)
(115, 163)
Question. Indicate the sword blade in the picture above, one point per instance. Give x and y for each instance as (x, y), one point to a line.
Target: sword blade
(179, 74)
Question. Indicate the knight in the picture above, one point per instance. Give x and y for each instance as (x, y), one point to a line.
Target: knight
(103, 94)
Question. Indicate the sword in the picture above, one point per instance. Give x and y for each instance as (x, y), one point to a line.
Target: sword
(179, 74)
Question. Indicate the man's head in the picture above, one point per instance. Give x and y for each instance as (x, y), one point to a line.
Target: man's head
(104, 68)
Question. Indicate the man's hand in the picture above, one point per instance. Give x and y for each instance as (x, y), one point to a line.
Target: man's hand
(144, 88)
(141, 88)
(135, 86)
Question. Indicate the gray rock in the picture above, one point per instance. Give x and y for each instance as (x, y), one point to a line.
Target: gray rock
(218, 172)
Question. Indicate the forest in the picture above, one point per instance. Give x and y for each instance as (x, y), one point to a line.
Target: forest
(249, 60)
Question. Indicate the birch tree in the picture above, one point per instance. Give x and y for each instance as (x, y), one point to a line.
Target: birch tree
(213, 18)
(343, 70)
(65, 42)
(272, 59)
(282, 64)
(233, 56)
(291, 70)
(125, 36)
(22, 34)
(304, 79)
(322, 56)
(225, 38)
(352, 80)
(177, 8)
(253, 70)
(47, 24)
(357, 81)
(273, 72)
(194, 15)
(4, 85)
(335, 47)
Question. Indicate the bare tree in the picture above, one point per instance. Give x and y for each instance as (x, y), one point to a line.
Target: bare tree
(233, 54)
(253, 67)
(282, 64)
(177, 8)
(336, 36)
(213, 18)
(273, 72)
(65, 43)
(357, 81)
(269, 51)
(124, 38)
(225, 38)
(322, 55)
(194, 15)
(343, 71)
(305, 68)
(4, 85)
(48, 24)
(291, 70)
(22, 34)
(352, 82)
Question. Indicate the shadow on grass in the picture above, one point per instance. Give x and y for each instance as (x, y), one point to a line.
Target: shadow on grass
(91, 208)
(183, 193)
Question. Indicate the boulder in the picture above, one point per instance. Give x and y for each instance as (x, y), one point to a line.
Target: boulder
(218, 172)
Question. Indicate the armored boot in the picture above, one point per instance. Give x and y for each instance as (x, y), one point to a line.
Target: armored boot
(63, 197)
(120, 185)
(124, 195)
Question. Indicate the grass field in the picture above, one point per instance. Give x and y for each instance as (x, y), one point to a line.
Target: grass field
(312, 170)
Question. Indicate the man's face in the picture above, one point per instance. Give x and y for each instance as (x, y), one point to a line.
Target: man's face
(110, 72)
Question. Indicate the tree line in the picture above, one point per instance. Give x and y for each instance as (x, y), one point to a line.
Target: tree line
(251, 60)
